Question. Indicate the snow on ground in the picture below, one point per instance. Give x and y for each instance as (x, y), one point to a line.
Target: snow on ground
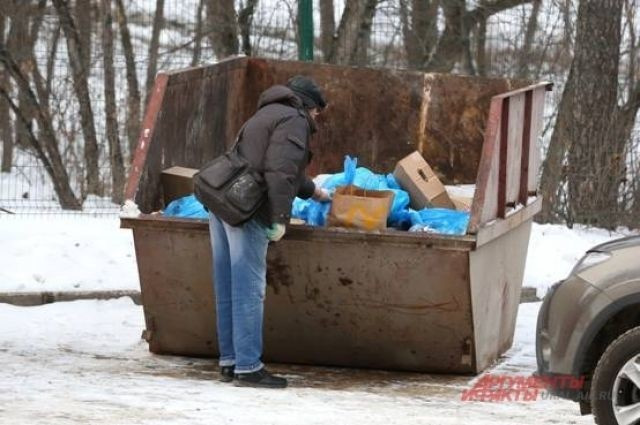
(72, 253)
(78, 253)
(84, 362)
(554, 250)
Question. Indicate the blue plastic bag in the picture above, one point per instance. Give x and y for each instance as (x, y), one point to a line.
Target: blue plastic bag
(439, 220)
(315, 213)
(186, 207)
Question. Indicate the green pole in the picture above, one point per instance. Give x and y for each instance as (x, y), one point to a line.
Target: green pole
(305, 30)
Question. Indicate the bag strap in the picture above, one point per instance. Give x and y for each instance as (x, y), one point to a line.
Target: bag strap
(238, 137)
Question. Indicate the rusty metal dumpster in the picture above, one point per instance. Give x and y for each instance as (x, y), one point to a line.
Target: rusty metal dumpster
(390, 300)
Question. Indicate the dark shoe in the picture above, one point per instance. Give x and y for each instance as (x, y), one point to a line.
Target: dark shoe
(226, 373)
(260, 379)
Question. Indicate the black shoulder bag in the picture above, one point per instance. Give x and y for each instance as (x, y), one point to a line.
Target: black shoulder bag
(228, 186)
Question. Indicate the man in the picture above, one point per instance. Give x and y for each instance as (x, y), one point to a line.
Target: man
(275, 141)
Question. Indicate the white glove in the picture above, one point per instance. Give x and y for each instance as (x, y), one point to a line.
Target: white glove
(275, 232)
(321, 195)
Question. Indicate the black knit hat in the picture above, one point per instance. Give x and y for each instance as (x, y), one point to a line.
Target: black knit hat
(308, 91)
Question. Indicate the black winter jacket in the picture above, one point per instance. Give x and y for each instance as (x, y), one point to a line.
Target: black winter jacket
(275, 141)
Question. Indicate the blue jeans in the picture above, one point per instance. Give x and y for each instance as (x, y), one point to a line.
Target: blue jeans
(239, 276)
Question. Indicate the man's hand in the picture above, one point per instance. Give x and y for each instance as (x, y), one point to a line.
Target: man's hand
(321, 195)
(275, 232)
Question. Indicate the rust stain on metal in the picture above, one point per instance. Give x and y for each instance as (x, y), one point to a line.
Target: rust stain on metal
(345, 281)
(278, 274)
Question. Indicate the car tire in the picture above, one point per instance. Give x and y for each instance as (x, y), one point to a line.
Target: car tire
(622, 353)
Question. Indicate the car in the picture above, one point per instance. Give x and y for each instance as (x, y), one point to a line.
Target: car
(588, 332)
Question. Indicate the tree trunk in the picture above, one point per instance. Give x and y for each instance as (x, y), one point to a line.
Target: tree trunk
(450, 44)
(458, 23)
(587, 116)
(525, 53)
(46, 147)
(245, 21)
(197, 39)
(51, 61)
(327, 27)
(111, 113)
(154, 47)
(18, 43)
(420, 33)
(553, 169)
(354, 33)
(222, 27)
(81, 88)
(481, 47)
(84, 25)
(5, 119)
(133, 98)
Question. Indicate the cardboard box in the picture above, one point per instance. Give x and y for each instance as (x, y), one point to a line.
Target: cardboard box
(359, 208)
(462, 203)
(425, 189)
(176, 183)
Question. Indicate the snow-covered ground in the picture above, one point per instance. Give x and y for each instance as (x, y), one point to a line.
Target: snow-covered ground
(84, 362)
(73, 253)
(84, 253)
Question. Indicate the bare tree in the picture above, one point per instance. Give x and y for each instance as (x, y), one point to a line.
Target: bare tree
(154, 48)
(20, 13)
(197, 38)
(481, 45)
(354, 33)
(222, 27)
(5, 119)
(81, 88)
(84, 24)
(111, 114)
(245, 21)
(591, 129)
(133, 98)
(46, 145)
(529, 37)
(327, 27)
(455, 38)
(419, 29)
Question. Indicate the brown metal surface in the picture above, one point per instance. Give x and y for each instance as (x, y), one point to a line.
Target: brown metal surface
(147, 132)
(501, 171)
(496, 272)
(523, 194)
(503, 164)
(353, 298)
(484, 206)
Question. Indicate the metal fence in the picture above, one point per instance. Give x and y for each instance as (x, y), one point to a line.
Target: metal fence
(184, 40)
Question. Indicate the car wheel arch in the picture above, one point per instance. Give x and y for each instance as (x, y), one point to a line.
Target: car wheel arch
(615, 319)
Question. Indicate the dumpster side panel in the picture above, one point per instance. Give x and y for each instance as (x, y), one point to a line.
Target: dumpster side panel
(497, 269)
(453, 121)
(175, 278)
(372, 114)
(200, 114)
(383, 306)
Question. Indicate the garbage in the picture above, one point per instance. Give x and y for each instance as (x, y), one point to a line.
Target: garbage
(316, 213)
(439, 220)
(177, 182)
(186, 207)
(415, 175)
(352, 211)
(360, 208)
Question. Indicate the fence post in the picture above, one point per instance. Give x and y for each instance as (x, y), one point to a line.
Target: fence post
(305, 30)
